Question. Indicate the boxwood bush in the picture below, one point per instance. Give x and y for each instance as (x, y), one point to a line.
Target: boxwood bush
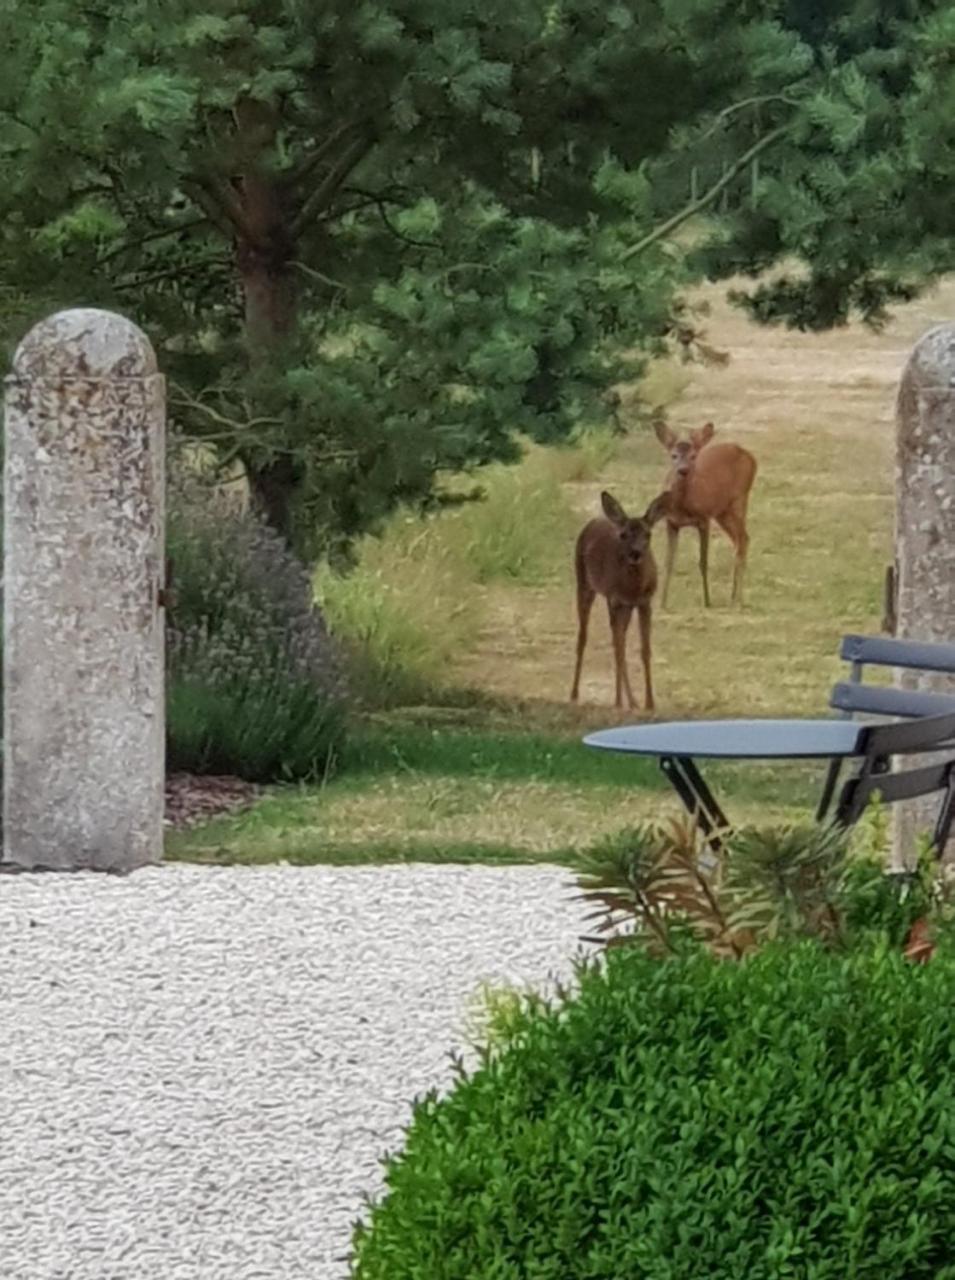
(792, 1115)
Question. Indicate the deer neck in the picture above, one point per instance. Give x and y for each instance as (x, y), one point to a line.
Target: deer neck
(679, 488)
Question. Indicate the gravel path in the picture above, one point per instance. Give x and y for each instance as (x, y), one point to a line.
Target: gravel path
(202, 1065)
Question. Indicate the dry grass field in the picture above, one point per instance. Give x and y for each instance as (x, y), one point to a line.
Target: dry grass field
(817, 410)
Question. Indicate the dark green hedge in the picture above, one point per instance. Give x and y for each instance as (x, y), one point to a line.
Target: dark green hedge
(789, 1116)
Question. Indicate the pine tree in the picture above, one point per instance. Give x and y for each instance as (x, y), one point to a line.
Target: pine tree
(858, 186)
(373, 240)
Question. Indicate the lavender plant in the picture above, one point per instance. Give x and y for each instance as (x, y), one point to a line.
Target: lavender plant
(254, 685)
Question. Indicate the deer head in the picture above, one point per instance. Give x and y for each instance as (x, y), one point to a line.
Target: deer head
(683, 452)
(633, 532)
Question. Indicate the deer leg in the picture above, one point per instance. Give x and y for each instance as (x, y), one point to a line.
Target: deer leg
(643, 618)
(673, 533)
(704, 531)
(742, 550)
(727, 522)
(585, 600)
(734, 522)
(620, 615)
(612, 617)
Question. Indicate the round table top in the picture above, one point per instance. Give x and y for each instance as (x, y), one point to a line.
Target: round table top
(734, 739)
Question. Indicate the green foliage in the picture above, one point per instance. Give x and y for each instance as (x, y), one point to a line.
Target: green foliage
(263, 726)
(373, 242)
(497, 1015)
(253, 684)
(790, 1116)
(856, 187)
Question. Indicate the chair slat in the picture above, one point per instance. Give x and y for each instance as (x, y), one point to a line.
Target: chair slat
(877, 700)
(882, 651)
(910, 783)
(922, 734)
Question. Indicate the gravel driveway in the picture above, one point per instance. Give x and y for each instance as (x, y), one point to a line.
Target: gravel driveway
(202, 1065)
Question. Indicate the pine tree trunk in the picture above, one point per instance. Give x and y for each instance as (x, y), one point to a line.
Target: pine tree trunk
(273, 487)
(264, 257)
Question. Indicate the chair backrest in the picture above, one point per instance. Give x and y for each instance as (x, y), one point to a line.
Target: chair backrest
(882, 651)
(885, 700)
(851, 696)
(878, 743)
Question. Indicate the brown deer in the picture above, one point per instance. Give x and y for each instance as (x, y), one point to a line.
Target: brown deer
(707, 482)
(613, 558)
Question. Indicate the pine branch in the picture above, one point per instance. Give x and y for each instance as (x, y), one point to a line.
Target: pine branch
(221, 203)
(209, 206)
(370, 198)
(381, 202)
(153, 235)
(330, 184)
(182, 399)
(237, 431)
(300, 177)
(180, 269)
(24, 124)
(728, 112)
(317, 275)
(698, 205)
(93, 189)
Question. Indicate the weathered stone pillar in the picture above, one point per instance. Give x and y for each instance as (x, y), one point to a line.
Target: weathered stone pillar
(83, 655)
(925, 531)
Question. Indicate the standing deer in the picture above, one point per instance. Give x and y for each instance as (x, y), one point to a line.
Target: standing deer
(613, 559)
(707, 482)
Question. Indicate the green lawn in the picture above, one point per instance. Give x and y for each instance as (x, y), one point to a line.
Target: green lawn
(414, 792)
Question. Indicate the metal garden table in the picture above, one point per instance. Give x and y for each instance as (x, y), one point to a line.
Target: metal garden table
(677, 746)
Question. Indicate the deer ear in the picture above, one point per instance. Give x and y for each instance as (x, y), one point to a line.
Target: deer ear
(664, 434)
(658, 508)
(612, 508)
(704, 435)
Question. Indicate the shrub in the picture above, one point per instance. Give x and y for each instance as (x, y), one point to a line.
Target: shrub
(653, 883)
(788, 1116)
(254, 687)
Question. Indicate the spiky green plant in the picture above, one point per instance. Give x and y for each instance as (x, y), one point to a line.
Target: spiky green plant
(653, 884)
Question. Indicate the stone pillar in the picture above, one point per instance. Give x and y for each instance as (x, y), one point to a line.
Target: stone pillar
(925, 532)
(83, 654)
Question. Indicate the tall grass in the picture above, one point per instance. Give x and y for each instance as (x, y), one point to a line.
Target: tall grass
(402, 613)
(415, 599)
(585, 457)
(516, 532)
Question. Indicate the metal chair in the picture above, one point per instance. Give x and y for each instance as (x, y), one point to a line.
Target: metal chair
(853, 697)
(878, 744)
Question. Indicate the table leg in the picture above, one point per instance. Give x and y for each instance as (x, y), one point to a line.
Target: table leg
(832, 777)
(697, 798)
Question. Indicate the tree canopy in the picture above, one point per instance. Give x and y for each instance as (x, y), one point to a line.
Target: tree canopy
(857, 190)
(376, 241)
